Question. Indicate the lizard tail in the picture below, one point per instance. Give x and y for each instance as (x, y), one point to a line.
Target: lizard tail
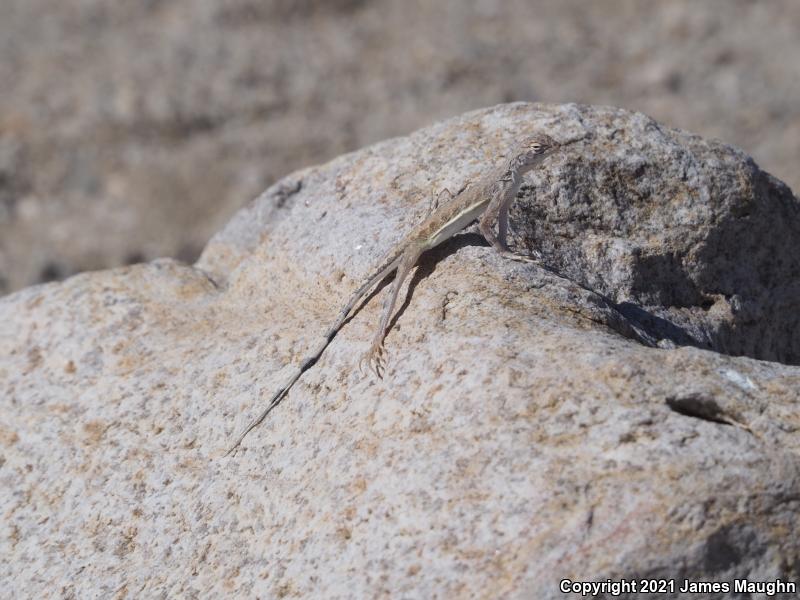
(388, 265)
(273, 402)
(307, 363)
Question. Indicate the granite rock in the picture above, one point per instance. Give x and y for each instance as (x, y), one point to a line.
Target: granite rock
(627, 408)
(135, 130)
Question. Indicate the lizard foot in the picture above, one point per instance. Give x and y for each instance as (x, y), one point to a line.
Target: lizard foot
(375, 358)
(518, 257)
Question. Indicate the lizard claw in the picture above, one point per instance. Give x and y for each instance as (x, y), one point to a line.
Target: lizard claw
(517, 257)
(375, 358)
(364, 359)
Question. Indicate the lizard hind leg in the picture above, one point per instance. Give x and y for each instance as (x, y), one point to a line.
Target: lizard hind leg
(436, 201)
(375, 357)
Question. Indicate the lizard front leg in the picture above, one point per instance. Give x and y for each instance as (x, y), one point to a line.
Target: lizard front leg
(502, 226)
(497, 212)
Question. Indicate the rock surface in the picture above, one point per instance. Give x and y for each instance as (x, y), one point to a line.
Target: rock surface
(534, 423)
(133, 130)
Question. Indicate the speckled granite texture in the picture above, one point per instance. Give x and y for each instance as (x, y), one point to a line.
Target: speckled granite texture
(585, 420)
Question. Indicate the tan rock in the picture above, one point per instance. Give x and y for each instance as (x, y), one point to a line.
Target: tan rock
(532, 427)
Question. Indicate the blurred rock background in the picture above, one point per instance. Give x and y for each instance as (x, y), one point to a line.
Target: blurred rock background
(135, 129)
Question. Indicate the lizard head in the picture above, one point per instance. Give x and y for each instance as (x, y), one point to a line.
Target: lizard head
(533, 150)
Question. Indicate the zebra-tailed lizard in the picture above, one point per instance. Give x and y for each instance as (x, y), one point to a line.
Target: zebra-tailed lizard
(487, 200)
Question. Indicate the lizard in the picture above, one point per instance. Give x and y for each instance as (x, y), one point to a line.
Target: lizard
(487, 200)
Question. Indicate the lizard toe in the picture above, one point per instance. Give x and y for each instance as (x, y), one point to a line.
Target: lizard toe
(517, 257)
